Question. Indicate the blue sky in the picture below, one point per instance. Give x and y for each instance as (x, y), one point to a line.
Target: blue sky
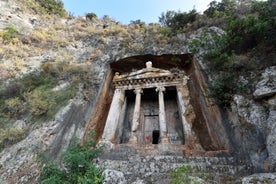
(126, 10)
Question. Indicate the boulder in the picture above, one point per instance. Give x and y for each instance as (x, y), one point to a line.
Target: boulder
(260, 178)
(267, 86)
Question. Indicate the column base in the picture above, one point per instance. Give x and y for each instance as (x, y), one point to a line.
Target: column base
(133, 139)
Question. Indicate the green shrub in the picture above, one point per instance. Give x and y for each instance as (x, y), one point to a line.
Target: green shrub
(90, 16)
(52, 7)
(10, 135)
(138, 22)
(39, 101)
(14, 106)
(219, 9)
(223, 87)
(186, 175)
(9, 34)
(77, 160)
(176, 21)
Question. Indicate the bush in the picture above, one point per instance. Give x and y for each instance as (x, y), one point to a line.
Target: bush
(77, 160)
(219, 9)
(176, 21)
(53, 7)
(10, 135)
(138, 22)
(186, 174)
(90, 16)
(14, 106)
(223, 88)
(39, 101)
(9, 34)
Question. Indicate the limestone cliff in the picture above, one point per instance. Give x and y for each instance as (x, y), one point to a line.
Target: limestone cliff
(248, 126)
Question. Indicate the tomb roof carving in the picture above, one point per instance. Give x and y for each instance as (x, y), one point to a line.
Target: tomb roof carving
(147, 75)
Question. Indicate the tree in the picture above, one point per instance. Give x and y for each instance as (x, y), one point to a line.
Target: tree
(53, 6)
(177, 20)
(166, 18)
(138, 22)
(224, 8)
(90, 16)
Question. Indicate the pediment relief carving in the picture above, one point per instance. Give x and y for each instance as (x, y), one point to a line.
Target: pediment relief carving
(147, 75)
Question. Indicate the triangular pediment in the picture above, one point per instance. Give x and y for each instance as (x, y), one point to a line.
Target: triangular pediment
(144, 73)
(148, 76)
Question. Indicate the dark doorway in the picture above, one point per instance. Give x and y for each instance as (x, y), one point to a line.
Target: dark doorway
(155, 136)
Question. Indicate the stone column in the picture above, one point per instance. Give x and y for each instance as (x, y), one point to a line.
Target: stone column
(182, 94)
(162, 115)
(136, 115)
(114, 115)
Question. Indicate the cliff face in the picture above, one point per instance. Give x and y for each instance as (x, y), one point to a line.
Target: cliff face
(249, 123)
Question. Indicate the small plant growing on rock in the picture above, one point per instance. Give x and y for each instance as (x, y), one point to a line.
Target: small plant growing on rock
(77, 160)
(185, 175)
(9, 34)
(14, 106)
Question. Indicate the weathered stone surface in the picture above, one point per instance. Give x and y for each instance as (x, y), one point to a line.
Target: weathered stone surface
(12, 15)
(156, 169)
(18, 163)
(253, 112)
(113, 176)
(268, 178)
(271, 138)
(267, 86)
(250, 130)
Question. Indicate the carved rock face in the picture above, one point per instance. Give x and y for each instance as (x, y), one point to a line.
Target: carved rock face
(152, 105)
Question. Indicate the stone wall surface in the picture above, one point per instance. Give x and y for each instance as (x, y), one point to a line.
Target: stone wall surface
(254, 122)
(19, 163)
(123, 164)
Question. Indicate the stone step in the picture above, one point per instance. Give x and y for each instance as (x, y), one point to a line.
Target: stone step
(158, 168)
(165, 167)
(172, 159)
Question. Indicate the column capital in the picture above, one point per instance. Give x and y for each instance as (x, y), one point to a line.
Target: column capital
(160, 89)
(138, 91)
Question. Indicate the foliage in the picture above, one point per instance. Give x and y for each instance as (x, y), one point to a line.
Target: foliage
(223, 87)
(10, 135)
(14, 106)
(52, 7)
(176, 21)
(243, 34)
(38, 95)
(9, 34)
(77, 161)
(39, 101)
(185, 175)
(90, 16)
(219, 9)
(138, 22)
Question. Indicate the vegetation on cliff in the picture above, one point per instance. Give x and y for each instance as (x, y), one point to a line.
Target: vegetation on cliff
(77, 165)
(40, 94)
(249, 33)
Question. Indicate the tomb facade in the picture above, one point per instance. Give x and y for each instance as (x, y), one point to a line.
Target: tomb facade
(145, 108)
(158, 105)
